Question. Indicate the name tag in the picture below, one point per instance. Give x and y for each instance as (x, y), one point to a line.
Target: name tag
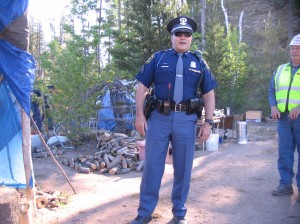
(194, 70)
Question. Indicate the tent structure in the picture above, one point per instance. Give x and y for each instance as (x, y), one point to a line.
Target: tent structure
(17, 69)
(117, 107)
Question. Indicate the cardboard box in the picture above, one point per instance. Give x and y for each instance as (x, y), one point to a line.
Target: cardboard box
(253, 116)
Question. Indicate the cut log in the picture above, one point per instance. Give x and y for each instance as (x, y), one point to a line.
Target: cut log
(130, 163)
(41, 201)
(102, 165)
(123, 171)
(130, 155)
(116, 135)
(104, 170)
(115, 162)
(113, 171)
(140, 166)
(83, 159)
(122, 150)
(106, 160)
(124, 163)
(96, 162)
(84, 170)
(63, 200)
(71, 162)
(106, 136)
(110, 157)
(91, 165)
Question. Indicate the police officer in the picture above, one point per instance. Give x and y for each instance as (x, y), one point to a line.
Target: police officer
(284, 99)
(170, 121)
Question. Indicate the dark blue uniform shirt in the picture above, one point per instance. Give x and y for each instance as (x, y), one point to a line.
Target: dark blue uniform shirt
(160, 70)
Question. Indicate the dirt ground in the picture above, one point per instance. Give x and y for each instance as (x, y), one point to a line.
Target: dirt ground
(229, 186)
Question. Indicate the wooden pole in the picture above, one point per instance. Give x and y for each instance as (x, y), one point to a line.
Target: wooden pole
(26, 147)
(51, 154)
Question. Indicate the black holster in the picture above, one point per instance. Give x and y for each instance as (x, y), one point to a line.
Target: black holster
(150, 105)
(194, 106)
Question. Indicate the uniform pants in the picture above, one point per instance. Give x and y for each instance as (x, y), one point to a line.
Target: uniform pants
(180, 129)
(288, 141)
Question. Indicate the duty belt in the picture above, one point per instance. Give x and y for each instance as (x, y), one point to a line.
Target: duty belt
(178, 107)
(173, 106)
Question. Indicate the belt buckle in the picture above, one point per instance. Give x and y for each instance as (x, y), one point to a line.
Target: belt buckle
(177, 109)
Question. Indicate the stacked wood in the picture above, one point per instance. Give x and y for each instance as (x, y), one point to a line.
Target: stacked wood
(118, 154)
(51, 199)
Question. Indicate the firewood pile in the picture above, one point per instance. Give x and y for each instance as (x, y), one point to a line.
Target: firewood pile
(118, 154)
(51, 199)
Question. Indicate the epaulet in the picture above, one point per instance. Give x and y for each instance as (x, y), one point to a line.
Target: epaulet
(198, 54)
(161, 52)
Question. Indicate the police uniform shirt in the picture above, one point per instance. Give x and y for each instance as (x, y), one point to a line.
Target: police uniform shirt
(160, 69)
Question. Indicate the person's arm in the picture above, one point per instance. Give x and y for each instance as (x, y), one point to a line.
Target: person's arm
(275, 113)
(140, 121)
(209, 106)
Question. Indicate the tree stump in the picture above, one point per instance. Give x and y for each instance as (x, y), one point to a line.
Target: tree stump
(9, 206)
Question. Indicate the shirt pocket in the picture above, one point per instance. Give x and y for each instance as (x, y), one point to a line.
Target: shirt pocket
(163, 75)
(193, 77)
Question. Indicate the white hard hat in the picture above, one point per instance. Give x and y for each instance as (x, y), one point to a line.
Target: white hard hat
(296, 40)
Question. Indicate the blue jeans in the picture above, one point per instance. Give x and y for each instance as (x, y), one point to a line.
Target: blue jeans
(288, 141)
(180, 129)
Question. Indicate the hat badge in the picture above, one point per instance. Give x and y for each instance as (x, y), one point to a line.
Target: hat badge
(183, 21)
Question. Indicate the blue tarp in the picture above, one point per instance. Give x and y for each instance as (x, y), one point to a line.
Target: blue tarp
(106, 117)
(18, 68)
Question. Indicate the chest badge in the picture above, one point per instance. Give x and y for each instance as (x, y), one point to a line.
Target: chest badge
(193, 64)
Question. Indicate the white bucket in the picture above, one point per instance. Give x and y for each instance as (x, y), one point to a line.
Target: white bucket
(241, 132)
(212, 143)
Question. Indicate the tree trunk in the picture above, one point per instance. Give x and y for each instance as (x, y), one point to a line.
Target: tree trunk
(203, 18)
(119, 14)
(225, 15)
(98, 46)
(241, 26)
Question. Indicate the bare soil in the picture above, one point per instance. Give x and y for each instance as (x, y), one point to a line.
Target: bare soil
(229, 186)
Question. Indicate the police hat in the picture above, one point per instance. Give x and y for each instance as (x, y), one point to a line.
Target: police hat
(182, 24)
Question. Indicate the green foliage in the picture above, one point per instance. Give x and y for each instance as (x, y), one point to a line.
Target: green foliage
(226, 57)
(68, 69)
(264, 58)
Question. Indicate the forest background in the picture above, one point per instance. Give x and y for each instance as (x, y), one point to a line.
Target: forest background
(243, 41)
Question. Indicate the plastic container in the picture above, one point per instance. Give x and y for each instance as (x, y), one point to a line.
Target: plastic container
(227, 110)
(212, 143)
(241, 132)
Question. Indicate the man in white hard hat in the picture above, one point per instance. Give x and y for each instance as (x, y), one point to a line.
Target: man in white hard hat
(284, 99)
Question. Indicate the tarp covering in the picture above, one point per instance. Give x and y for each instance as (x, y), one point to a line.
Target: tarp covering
(117, 108)
(18, 68)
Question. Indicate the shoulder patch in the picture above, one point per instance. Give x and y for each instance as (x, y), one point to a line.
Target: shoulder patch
(150, 59)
